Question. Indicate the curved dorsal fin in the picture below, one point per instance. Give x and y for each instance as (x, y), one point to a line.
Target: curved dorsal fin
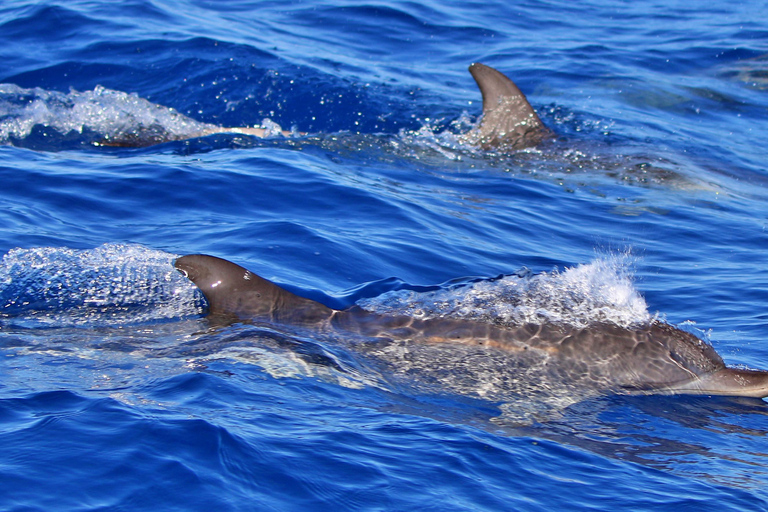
(235, 292)
(508, 118)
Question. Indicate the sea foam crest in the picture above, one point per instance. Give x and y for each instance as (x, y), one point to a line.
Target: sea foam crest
(599, 291)
(114, 284)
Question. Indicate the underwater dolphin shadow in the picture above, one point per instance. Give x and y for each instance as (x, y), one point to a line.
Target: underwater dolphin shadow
(543, 359)
(509, 121)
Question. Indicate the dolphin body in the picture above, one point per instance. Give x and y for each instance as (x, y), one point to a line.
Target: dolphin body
(509, 122)
(604, 358)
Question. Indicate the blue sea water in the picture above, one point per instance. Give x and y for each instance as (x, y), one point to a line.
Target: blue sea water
(115, 393)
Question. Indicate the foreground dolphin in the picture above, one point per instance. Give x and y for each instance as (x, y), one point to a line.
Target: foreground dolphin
(657, 358)
(509, 122)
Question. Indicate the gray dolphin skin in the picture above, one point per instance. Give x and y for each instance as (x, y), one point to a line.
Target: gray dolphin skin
(653, 359)
(509, 121)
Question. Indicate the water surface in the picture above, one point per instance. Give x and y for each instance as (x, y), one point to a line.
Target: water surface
(650, 201)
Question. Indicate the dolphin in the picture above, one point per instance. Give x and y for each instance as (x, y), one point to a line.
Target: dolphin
(508, 123)
(653, 359)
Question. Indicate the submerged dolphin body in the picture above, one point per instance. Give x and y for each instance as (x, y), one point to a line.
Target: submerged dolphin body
(156, 134)
(657, 358)
(509, 121)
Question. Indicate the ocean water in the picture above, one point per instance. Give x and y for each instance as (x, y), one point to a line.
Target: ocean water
(651, 201)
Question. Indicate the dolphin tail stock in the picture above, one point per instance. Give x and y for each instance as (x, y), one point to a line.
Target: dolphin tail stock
(235, 293)
(508, 118)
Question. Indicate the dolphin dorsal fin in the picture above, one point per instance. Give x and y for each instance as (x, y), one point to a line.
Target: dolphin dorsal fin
(237, 293)
(508, 118)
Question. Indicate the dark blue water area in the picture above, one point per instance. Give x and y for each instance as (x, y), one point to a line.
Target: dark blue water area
(116, 393)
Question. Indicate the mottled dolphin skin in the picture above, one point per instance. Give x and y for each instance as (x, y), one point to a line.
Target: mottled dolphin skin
(657, 358)
(509, 121)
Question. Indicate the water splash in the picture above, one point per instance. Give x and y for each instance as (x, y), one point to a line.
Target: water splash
(599, 291)
(447, 141)
(101, 110)
(100, 115)
(114, 284)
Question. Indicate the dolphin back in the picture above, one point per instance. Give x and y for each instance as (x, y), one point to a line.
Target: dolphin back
(235, 293)
(508, 119)
(658, 358)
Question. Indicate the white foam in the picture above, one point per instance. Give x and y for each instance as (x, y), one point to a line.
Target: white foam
(114, 284)
(599, 291)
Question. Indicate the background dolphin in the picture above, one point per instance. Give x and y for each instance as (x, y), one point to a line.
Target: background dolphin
(656, 358)
(508, 122)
